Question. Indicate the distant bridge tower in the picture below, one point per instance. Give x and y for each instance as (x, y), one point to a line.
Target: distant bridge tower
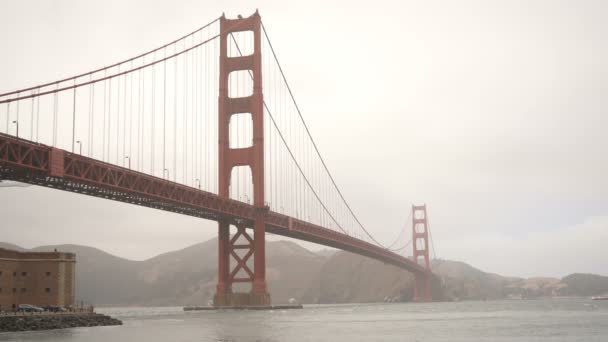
(229, 158)
(420, 242)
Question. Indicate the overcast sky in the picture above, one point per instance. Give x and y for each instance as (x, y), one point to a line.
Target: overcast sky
(491, 112)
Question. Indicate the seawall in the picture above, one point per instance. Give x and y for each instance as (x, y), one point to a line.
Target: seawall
(25, 322)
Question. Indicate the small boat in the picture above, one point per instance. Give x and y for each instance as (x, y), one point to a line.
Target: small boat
(600, 298)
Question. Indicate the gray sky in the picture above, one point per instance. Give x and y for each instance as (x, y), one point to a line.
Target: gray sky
(491, 112)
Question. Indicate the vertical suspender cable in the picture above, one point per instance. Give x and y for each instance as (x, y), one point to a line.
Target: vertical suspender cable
(17, 118)
(89, 121)
(143, 117)
(109, 119)
(8, 112)
(140, 120)
(105, 90)
(193, 114)
(140, 111)
(207, 129)
(32, 119)
(118, 117)
(139, 95)
(164, 114)
(175, 115)
(131, 114)
(55, 105)
(74, 118)
(109, 147)
(124, 121)
(185, 120)
(153, 117)
(203, 109)
(38, 118)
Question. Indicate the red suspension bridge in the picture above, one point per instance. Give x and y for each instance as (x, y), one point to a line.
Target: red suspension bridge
(158, 130)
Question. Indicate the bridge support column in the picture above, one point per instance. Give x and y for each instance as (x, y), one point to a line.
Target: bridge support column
(259, 291)
(422, 288)
(240, 247)
(224, 286)
(230, 248)
(420, 242)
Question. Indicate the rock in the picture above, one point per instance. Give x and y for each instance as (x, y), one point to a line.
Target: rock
(26, 322)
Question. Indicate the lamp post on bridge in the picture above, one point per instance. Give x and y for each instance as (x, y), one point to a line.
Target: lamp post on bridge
(17, 127)
(198, 182)
(129, 160)
(79, 146)
(167, 171)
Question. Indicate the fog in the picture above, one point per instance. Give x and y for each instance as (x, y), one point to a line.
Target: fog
(493, 113)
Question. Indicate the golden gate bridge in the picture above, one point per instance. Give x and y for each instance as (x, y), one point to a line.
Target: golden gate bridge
(207, 126)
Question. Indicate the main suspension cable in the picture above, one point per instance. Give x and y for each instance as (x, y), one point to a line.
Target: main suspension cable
(113, 65)
(288, 149)
(398, 238)
(313, 142)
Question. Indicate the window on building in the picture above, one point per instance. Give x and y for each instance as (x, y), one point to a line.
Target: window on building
(14, 290)
(22, 289)
(47, 290)
(14, 274)
(23, 274)
(0, 273)
(0, 290)
(48, 274)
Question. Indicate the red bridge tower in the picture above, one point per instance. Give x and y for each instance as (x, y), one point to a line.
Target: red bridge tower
(229, 158)
(420, 242)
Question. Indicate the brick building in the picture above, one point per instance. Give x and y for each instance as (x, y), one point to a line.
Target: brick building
(37, 278)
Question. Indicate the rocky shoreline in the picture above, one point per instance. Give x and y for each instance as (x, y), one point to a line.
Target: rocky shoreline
(54, 321)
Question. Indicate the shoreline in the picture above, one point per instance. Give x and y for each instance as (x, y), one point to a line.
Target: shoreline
(52, 321)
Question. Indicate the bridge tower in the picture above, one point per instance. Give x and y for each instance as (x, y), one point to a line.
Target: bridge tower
(229, 158)
(420, 242)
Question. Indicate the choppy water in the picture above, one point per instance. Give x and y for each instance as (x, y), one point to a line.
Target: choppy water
(535, 320)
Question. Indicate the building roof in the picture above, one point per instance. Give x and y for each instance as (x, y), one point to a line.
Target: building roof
(17, 255)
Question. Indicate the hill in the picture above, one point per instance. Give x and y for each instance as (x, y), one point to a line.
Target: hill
(347, 278)
(184, 277)
(579, 284)
(11, 246)
(188, 277)
(351, 278)
(464, 282)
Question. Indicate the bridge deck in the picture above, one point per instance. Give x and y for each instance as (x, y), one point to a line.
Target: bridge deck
(28, 162)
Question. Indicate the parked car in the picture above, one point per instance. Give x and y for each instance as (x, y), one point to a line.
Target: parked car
(29, 308)
(53, 308)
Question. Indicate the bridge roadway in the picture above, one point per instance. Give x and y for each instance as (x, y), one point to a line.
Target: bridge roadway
(29, 162)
